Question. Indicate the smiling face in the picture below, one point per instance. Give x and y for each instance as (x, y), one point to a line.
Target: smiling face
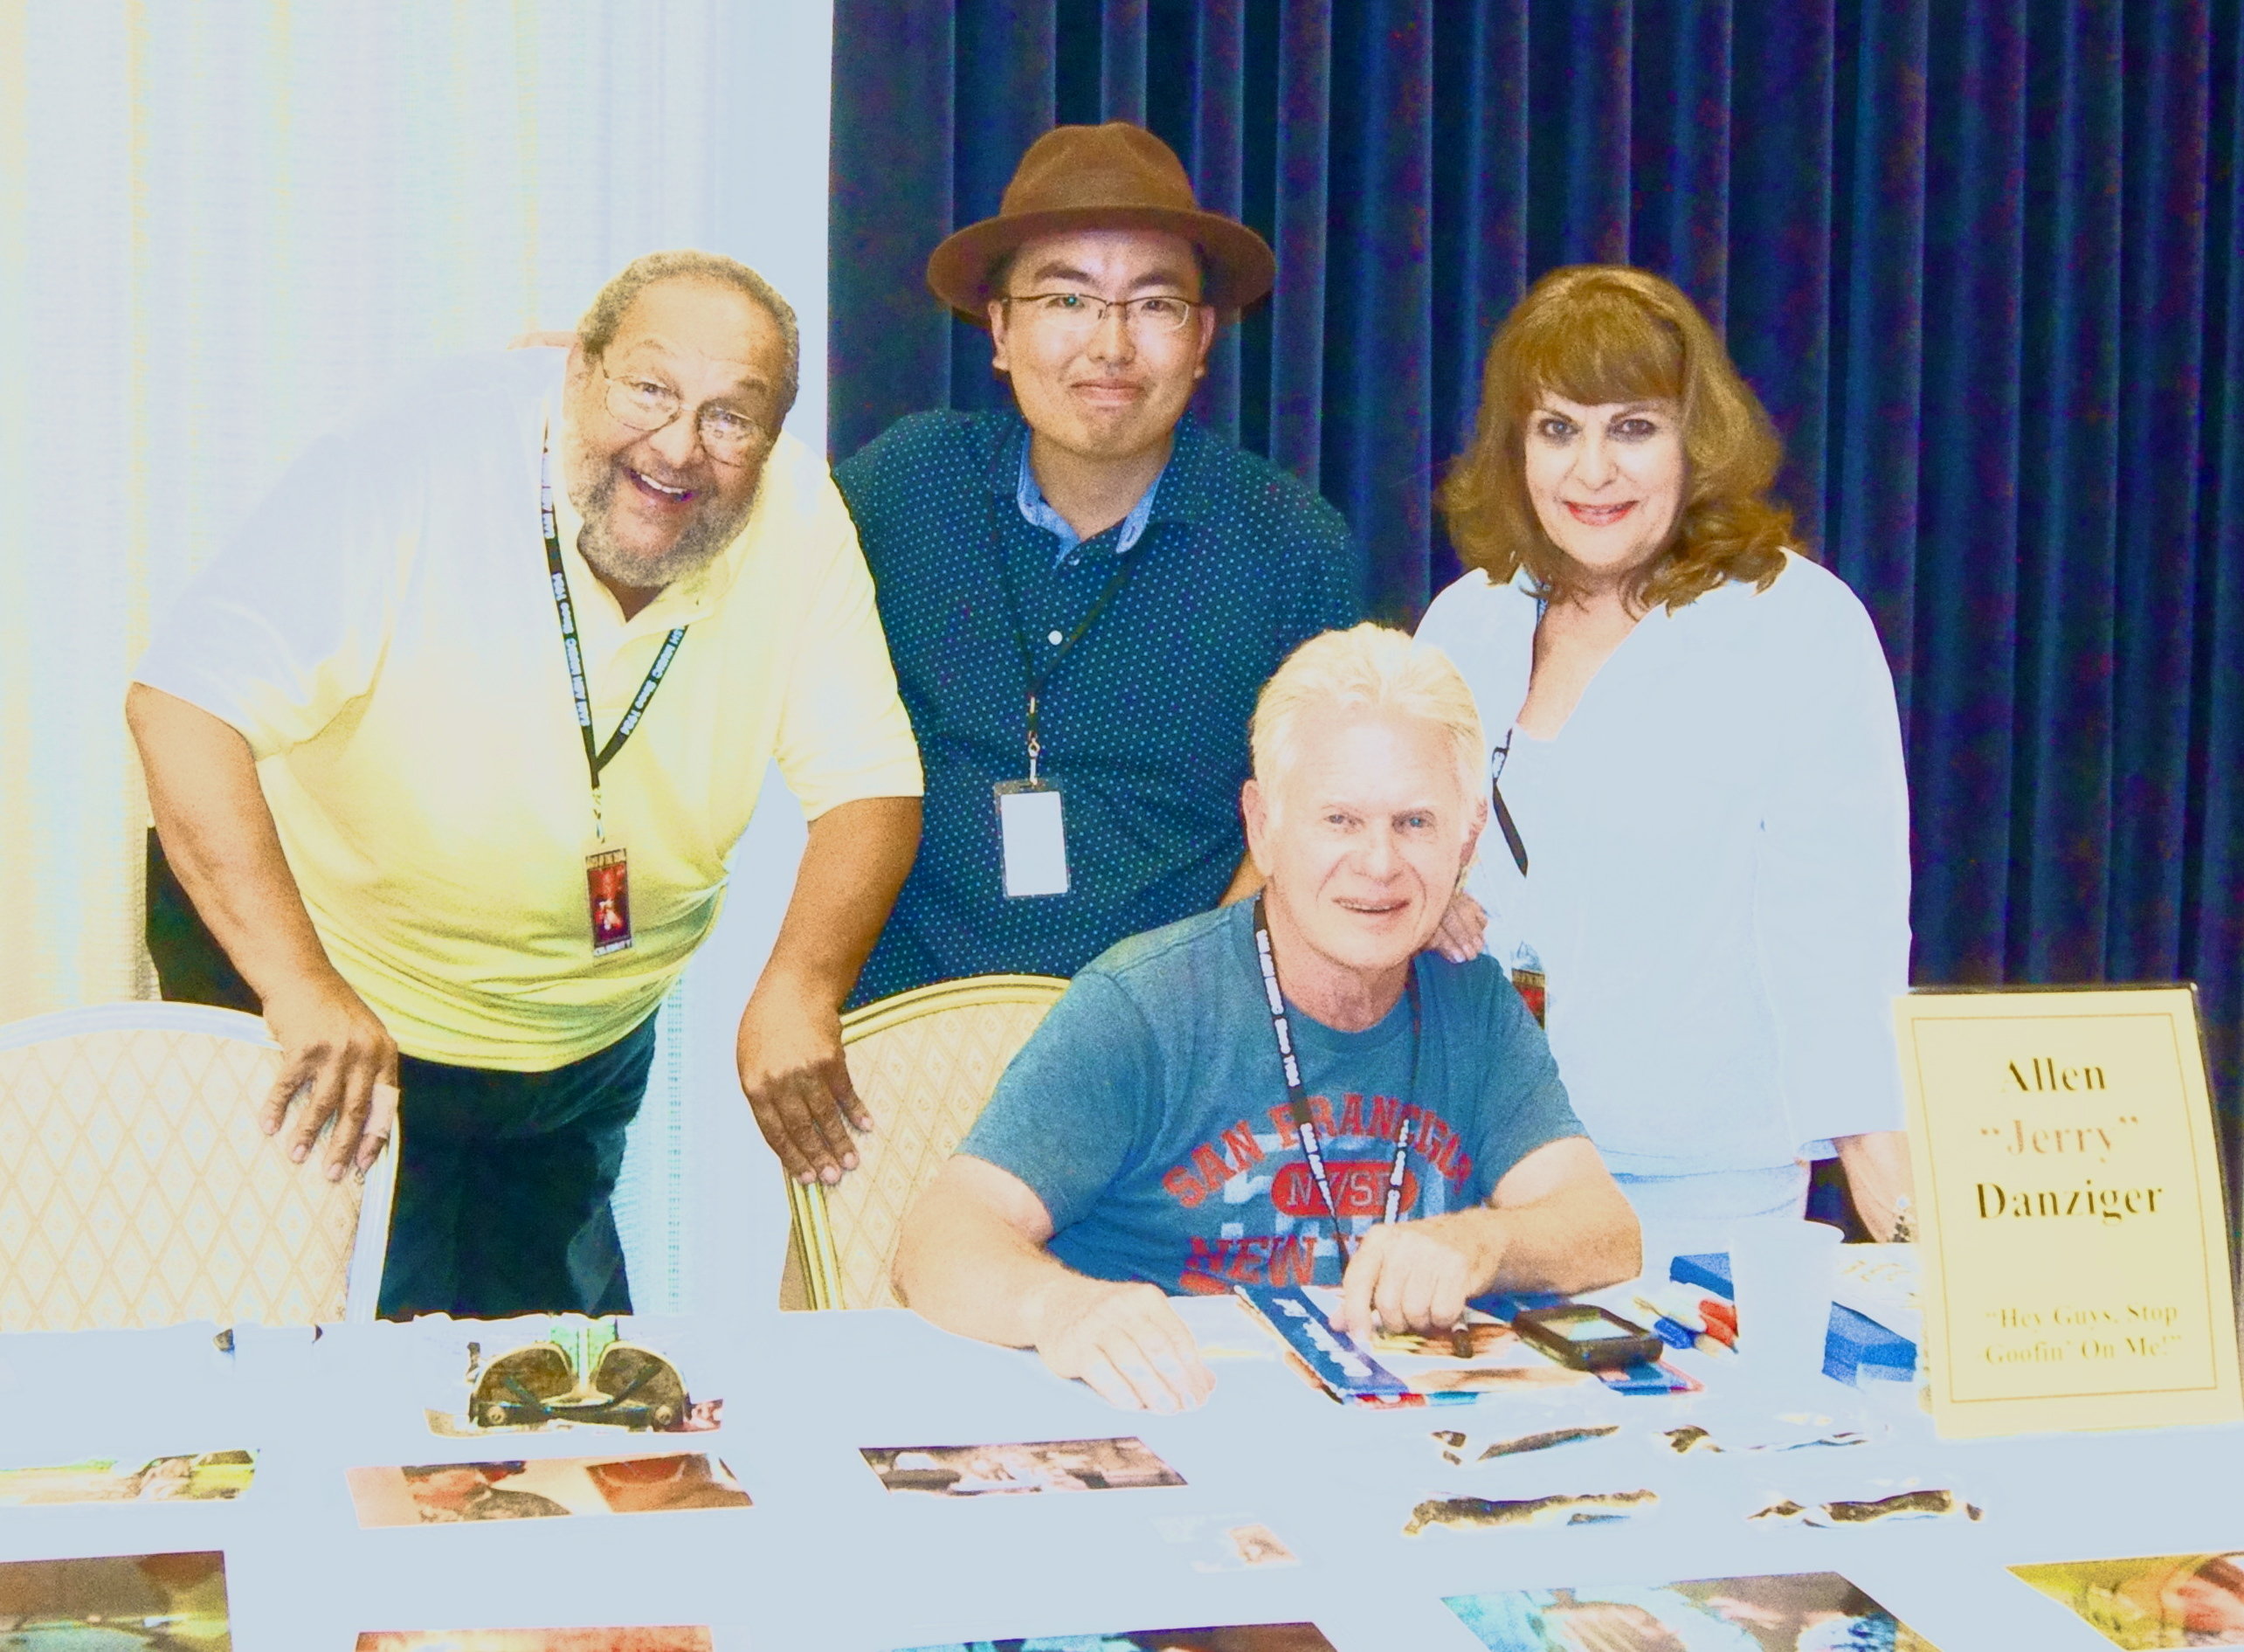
(656, 505)
(1116, 392)
(1362, 839)
(1606, 481)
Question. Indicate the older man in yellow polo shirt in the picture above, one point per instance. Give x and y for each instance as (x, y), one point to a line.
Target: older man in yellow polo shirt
(449, 746)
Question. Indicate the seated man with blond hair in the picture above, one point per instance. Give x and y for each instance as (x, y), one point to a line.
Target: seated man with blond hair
(1149, 1138)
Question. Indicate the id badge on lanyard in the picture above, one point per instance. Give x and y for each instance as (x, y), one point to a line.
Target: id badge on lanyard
(1033, 830)
(1031, 819)
(607, 889)
(607, 865)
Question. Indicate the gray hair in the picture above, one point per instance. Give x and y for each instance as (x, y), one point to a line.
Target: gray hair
(1368, 668)
(598, 330)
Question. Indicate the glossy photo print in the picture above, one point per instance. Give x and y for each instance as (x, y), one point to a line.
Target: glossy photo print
(210, 1477)
(2154, 1600)
(608, 1640)
(117, 1603)
(1795, 1612)
(1041, 1465)
(450, 1493)
(1238, 1637)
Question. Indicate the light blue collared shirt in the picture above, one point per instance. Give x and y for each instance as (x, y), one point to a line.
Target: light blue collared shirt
(1039, 514)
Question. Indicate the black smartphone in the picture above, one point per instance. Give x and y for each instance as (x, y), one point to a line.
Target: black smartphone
(1587, 1337)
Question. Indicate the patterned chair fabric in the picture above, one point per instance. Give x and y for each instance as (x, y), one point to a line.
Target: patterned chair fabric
(137, 1190)
(924, 1061)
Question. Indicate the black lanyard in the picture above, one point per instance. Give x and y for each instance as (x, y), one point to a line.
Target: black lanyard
(1497, 758)
(596, 758)
(1297, 1101)
(1038, 679)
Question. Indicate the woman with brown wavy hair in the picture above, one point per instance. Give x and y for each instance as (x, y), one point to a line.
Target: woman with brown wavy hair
(1701, 842)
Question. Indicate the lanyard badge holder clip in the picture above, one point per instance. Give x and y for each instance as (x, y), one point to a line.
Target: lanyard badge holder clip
(607, 866)
(1031, 823)
(1030, 826)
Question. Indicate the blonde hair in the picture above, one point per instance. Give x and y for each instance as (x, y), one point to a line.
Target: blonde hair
(1369, 669)
(1603, 332)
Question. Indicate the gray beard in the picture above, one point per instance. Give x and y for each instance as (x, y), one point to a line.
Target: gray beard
(698, 544)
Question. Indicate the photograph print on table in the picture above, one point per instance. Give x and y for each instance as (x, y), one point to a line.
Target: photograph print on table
(1795, 1612)
(144, 1602)
(450, 1493)
(1237, 1637)
(2152, 1600)
(210, 1477)
(1040, 1465)
(606, 1640)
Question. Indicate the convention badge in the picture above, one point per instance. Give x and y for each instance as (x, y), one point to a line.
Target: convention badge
(608, 893)
(1034, 836)
(1528, 981)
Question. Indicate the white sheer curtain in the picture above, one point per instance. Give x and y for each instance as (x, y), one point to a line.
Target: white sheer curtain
(220, 226)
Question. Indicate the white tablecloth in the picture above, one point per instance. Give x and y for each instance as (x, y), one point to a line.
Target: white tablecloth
(828, 1559)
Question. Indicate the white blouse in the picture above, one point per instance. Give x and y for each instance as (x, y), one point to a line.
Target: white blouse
(1718, 877)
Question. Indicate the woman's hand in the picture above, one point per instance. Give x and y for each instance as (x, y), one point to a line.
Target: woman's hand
(1464, 930)
(1878, 1176)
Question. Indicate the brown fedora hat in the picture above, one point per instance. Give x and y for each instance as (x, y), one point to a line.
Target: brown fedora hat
(1115, 176)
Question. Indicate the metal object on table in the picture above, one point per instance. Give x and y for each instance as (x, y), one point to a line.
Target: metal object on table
(630, 1387)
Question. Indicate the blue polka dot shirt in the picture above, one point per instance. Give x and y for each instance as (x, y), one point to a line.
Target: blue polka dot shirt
(1144, 722)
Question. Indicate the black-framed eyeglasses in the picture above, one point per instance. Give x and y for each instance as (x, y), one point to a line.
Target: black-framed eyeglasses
(1085, 312)
(726, 436)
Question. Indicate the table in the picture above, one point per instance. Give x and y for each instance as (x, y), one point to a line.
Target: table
(828, 1559)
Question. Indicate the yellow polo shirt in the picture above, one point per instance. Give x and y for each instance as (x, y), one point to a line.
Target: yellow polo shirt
(382, 633)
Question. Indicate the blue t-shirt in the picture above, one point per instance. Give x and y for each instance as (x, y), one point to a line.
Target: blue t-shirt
(1149, 1112)
(1144, 721)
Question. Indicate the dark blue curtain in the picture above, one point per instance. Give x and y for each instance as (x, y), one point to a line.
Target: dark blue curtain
(1980, 259)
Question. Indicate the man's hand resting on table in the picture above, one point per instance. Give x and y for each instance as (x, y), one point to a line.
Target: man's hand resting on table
(1416, 1276)
(1555, 1222)
(1124, 1341)
(971, 1257)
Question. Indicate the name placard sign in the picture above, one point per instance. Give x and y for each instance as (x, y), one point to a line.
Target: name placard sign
(2073, 1243)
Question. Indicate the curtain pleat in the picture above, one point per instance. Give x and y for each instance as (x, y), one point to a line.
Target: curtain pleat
(894, 134)
(1963, 714)
(2162, 277)
(1779, 300)
(2213, 852)
(1981, 260)
(1121, 60)
(1378, 294)
(1217, 165)
(1298, 230)
(2067, 482)
(1878, 319)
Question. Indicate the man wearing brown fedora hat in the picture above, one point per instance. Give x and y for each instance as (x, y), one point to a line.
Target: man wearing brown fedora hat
(1084, 596)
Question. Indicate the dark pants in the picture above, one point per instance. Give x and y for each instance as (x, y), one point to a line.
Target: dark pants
(503, 1180)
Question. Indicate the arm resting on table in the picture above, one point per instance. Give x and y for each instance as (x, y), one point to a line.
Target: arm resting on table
(971, 1258)
(219, 835)
(789, 1047)
(1555, 1222)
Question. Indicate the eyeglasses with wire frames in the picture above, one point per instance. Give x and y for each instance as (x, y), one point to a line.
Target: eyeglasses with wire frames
(1080, 315)
(727, 436)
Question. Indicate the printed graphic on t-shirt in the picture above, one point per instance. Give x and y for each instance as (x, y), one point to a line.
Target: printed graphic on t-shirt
(1258, 1216)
